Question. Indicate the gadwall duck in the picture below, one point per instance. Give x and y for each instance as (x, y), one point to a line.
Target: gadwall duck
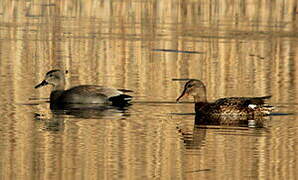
(230, 110)
(83, 94)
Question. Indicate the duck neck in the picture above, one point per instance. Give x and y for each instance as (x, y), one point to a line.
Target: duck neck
(57, 91)
(60, 86)
(199, 99)
(55, 95)
(201, 95)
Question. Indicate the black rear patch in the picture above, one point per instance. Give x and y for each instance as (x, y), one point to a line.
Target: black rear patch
(121, 100)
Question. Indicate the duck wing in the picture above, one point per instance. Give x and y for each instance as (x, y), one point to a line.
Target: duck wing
(96, 94)
(94, 90)
(242, 101)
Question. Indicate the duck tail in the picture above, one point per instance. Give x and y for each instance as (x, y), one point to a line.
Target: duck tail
(265, 97)
(266, 109)
(124, 90)
(121, 100)
(258, 100)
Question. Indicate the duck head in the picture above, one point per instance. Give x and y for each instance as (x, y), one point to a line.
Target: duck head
(54, 78)
(195, 88)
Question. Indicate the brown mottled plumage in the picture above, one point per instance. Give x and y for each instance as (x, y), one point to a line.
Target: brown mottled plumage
(84, 94)
(232, 110)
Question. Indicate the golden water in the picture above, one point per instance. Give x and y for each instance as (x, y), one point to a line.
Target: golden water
(238, 48)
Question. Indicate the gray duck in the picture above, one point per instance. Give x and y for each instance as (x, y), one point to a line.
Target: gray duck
(231, 110)
(83, 94)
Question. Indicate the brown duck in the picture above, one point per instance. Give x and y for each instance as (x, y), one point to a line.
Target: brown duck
(232, 110)
(84, 94)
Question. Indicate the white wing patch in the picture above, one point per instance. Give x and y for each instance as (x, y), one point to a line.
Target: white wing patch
(128, 99)
(252, 106)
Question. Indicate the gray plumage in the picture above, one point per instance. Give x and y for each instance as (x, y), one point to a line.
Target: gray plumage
(83, 94)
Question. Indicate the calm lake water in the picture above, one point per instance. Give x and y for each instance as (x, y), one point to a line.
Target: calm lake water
(238, 48)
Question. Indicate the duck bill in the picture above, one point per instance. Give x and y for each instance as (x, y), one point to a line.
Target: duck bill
(183, 94)
(43, 83)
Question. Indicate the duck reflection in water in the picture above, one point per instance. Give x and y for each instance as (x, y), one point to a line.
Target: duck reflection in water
(195, 138)
(226, 111)
(88, 112)
(56, 122)
(49, 124)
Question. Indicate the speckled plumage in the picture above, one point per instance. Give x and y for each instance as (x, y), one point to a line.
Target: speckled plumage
(232, 110)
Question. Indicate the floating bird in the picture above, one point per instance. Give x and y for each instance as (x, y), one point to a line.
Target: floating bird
(83, 94)
(231, 110)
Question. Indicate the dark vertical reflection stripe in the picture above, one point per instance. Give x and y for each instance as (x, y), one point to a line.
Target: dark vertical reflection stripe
(249, 49)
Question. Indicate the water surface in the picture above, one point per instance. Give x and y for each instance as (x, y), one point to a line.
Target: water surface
(238, 49)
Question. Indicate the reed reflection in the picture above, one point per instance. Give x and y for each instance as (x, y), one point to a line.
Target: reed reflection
(247, 49)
